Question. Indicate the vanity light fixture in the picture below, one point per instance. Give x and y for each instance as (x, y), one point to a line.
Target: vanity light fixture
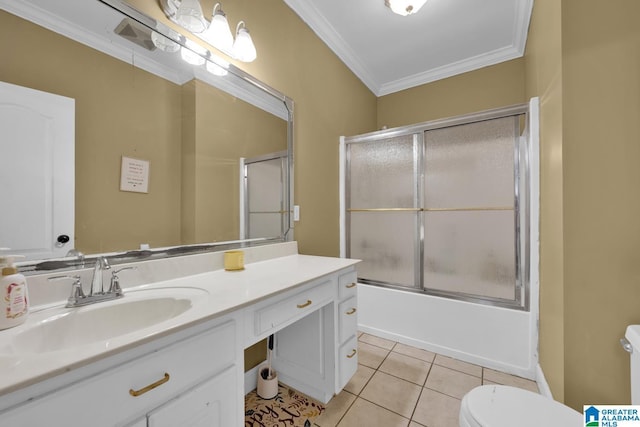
(243, 47)
(189, 15)
(193, 53)
(163, 43)
(216, 70)
(404, 7)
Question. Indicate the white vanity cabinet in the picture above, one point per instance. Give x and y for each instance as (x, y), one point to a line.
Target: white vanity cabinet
(164, 386)
(192, 374)
(347, 327)
(209, 404)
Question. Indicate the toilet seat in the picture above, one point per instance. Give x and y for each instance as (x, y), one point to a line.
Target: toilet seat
(504, 406)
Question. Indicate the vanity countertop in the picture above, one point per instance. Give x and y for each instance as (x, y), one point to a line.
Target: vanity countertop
(225, 292)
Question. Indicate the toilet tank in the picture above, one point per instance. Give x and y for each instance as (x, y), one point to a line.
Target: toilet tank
(633, 346)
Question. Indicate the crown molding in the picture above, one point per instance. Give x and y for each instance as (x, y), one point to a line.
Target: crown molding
(81, 35)
(450, 70)
(325, 31)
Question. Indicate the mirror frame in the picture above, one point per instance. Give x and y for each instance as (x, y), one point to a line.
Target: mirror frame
(254, 97)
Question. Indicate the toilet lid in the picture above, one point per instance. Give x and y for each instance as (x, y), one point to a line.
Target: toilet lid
(503, 406)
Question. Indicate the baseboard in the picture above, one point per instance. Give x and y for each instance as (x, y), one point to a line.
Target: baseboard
(446, 351)
(543, 386)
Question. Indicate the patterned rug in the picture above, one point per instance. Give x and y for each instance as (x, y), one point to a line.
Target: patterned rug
(289, 408)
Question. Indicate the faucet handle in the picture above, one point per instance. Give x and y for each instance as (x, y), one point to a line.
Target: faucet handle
(115, 280)
(76, 289)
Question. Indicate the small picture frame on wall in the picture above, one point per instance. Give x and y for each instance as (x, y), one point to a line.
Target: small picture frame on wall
(134, 175)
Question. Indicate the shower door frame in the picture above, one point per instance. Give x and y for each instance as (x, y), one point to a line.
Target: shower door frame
(521, 204)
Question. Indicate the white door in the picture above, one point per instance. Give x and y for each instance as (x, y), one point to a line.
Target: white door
(37, 169)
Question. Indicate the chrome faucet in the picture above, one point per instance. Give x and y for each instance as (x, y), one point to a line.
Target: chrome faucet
(97, 293)
(97, 287)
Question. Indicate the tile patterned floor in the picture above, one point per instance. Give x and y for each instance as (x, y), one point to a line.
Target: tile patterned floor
(397, 385)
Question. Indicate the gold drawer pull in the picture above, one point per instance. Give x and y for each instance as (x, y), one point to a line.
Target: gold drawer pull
(306, 304)
(136, 393)
(350, 312)
(353, 353)
(350, 285)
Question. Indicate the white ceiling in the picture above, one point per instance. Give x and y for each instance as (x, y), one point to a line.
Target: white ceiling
(389, 52)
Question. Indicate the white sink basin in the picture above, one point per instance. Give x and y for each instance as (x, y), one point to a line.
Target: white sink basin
(68, 328)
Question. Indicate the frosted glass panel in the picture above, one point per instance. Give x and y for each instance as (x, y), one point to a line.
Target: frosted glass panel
(382, 174)
(470, 252)
(471, 165)
(265, 186)
(265, 225)
(384, 243)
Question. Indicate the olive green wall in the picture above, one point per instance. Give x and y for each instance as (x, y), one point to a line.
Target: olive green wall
(582, 60)
(490, 87)
(544, 79)
(601, 197)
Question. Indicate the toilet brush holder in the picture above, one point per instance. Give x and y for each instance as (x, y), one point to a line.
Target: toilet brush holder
(267, 382)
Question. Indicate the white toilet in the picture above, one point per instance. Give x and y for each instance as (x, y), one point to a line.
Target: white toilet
(504, 406)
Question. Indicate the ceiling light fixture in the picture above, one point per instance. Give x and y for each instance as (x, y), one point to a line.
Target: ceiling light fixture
(243, 47)
(404, 7)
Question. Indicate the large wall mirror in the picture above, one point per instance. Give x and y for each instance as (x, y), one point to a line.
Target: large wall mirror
(218, 144)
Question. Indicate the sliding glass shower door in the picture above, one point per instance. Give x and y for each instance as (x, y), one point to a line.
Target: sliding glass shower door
(437, 207)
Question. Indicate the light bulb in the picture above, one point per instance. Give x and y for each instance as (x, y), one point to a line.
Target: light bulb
(243, 48)
(219, 34)
(192, 53)
(164, 43)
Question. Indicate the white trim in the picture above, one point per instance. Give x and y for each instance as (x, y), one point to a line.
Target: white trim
(543, 386)
(470, 64)
(243, 231)
(534, 223)
(342, 195)
(521, 30)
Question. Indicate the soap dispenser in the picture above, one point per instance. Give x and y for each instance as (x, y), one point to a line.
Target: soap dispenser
(15, 299)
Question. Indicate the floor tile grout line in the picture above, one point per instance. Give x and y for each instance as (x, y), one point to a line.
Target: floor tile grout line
(386, 409)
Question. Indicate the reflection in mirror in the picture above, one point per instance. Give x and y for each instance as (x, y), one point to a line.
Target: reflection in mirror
(196, 130)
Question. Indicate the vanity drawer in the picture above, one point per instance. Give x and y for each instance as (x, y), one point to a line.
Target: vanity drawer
(348, 318)
(347, 285)
(107, 399)
(294, 307)
(348, 362)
